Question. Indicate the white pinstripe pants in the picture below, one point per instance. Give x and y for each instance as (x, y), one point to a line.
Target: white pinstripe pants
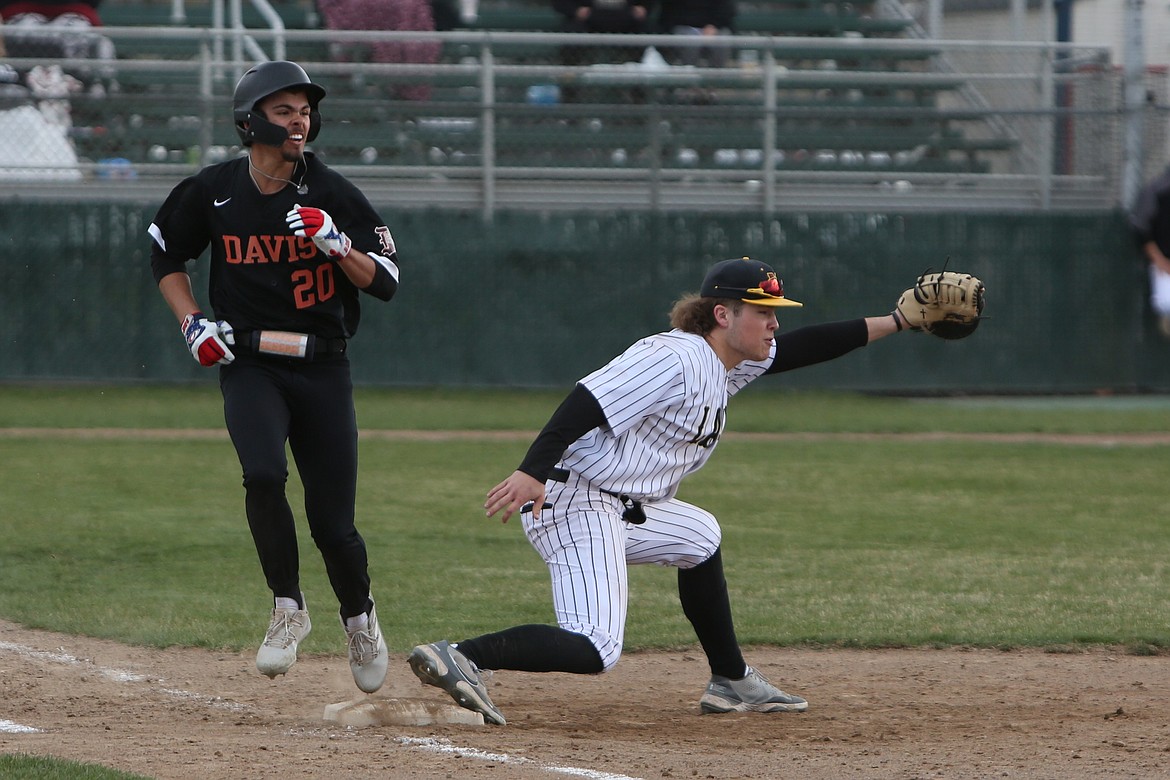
(587, 547)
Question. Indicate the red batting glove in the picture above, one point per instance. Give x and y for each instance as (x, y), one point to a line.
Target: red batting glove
(318, 225)
(207, 340)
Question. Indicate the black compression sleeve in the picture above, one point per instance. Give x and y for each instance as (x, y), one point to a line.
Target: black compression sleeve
(818, 343)
(384, 285)
(161, 265)
(578, 414)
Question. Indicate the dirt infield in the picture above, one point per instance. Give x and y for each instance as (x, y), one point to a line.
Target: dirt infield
(187, 713)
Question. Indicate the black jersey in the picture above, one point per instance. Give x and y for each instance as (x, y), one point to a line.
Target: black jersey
(263, 276)
(1150, 218)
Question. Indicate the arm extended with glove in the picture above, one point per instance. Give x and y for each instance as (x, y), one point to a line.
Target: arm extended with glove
(946, 304)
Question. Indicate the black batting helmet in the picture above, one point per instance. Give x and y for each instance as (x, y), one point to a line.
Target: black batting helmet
(258, 83)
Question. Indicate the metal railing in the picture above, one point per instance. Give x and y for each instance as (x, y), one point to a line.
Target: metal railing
(837, 123)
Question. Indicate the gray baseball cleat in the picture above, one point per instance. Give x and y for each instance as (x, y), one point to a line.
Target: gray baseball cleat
(751, 694)
(286, 630)
(441, 665)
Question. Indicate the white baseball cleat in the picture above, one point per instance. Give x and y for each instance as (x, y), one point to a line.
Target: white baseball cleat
(367, 654)
(286, 630)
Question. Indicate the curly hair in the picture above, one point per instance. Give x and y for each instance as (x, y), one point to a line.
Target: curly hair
(695, 314)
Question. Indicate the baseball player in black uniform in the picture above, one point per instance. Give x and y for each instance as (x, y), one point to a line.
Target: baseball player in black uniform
(293, 243)
(609, 463)
(1150, 221)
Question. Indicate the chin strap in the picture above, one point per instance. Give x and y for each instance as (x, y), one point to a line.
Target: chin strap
(259, 130)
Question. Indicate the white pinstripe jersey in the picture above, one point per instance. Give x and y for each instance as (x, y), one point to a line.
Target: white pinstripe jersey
(665, 400)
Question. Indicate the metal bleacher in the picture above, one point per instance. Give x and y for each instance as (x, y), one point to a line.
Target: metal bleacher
(831, 89)
(850, 92)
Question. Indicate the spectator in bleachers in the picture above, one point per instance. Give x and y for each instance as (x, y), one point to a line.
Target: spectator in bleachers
(383, 15)
(52, 28)
(46, 11)
(605, 16)
(57, 29)
(698, 17)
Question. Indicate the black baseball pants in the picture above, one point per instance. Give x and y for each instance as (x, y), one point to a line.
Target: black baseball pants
(309, 405)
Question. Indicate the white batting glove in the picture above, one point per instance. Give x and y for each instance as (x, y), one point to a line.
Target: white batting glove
(208, 340)
(318, 225)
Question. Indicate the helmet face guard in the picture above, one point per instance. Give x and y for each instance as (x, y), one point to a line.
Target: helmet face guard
(258, 83)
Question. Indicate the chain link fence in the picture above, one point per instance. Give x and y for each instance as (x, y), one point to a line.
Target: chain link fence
(557, 121)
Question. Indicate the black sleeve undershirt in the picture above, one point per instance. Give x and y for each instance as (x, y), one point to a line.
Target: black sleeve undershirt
(818, 343)
(578, 414)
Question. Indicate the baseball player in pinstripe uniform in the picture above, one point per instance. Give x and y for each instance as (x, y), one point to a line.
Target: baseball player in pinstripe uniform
(284, 289)
(596, 491)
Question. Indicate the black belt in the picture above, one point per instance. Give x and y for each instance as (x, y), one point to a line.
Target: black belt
(633, 512)
(284, 344)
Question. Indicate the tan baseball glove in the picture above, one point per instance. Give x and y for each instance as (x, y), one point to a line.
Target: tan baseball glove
(946, 304)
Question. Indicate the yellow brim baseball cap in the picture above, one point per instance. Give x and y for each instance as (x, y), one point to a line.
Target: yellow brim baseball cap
(746, 280)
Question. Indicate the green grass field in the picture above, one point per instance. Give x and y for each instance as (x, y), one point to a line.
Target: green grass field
(868, 542)
(34, 768)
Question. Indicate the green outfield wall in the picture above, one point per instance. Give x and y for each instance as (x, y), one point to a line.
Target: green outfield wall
(539, 300)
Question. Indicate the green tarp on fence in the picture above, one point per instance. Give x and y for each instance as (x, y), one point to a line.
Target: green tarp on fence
(532, 300)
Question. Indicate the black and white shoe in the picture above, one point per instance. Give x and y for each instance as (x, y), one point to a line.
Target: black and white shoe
(441, 665)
